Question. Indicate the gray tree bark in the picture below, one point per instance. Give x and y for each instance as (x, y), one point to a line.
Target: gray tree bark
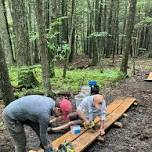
(109, 39)
(129, 30)
(40, 15)
(5, 85)
(4, 31)
(72, 33)
(21, 32)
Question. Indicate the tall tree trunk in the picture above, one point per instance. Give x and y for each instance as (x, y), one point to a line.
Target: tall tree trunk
(5, 85)
(116, 31)
(64, 33)
(4, 30)
(43, 47)
(64, 22)
(129, 30)
(33, 51)
(72, 46)
(72, 33)
(150, 43)
(97, 29)
(104, 24)
(124, 27)
(109, 40)
(48, 14)
(21, 32)
(89, 17)
(148, 34)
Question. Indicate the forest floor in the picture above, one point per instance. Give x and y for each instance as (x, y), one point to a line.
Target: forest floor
(136, 134)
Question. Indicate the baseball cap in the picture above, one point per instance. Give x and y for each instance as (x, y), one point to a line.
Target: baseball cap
(66, 107)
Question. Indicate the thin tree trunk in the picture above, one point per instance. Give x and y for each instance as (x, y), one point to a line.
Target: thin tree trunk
(4, 30)
(21, 32)
(5, 85)
(104, 24)
(116, 31)
(43, 47)
(64, 22)
(72, 34)
(96, 51)
(150, 43)
(129, 30)
(124, 27)
(109, 40)
(52, 41)
(89, 18)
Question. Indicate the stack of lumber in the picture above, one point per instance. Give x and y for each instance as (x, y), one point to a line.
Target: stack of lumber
(149, 78)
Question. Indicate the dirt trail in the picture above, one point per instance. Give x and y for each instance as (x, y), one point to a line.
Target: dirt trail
(136, 134)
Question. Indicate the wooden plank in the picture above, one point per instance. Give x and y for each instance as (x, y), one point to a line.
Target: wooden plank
(88, 137)
(149, 77)
(71, 137)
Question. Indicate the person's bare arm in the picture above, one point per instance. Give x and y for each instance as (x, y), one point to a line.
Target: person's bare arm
(82, 116)
(103, 117)
(102, 129)
(55, 119)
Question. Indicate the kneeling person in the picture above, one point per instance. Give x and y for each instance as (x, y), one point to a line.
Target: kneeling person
(93, 106)
(89, 108)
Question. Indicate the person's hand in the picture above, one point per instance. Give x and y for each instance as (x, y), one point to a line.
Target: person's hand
(87, 122)
(50, 130)
(102, 132)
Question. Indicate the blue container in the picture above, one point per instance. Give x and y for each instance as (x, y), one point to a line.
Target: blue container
(75, 129)
(92, 83)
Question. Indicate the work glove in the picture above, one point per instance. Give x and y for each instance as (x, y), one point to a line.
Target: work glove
(90, 125)
(86, 124)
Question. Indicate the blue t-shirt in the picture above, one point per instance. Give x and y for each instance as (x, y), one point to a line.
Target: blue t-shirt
(35, 108)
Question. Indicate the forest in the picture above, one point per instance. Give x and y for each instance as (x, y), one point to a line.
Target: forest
(53, 47)
(49, 32)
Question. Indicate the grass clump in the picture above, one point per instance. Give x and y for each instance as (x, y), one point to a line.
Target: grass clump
(73, 81)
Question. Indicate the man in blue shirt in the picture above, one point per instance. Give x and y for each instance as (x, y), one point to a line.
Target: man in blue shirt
(34, 111)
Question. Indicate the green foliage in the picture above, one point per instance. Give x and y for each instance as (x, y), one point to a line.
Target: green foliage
(147, 21)
(26, 78)
(61, 51)
(72, 82)
(14, 73)
(52, 34)
(33, 36)
(99, 34)
(141, 51)
(57, 21)
(141, 5)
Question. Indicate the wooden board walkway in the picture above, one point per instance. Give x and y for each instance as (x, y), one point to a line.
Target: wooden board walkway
(85, 138)
(149, 78)
(88, 137)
